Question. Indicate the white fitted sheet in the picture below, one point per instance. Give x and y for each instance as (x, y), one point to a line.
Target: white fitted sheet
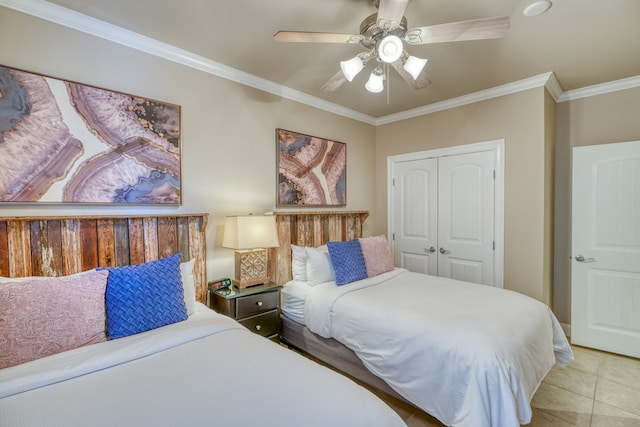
(208, 370)
(294, 295)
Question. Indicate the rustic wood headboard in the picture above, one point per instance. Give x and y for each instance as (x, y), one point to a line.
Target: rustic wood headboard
(306, 228)
(57, 246)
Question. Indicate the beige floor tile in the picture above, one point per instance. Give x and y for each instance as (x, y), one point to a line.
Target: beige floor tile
(621, 369)
(586, 359)
(544, 419)
(571, 379)
(563, 404)
(608, 416)
(619, 395)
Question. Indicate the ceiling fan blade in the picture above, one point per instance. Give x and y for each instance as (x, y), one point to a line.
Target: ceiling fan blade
(421, 82)
(335, 82)
(309, 37)
(475, 29)
(391, 11)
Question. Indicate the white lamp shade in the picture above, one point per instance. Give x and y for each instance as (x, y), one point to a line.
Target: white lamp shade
(250, 232)
(390, 49)
(414, 66)
(352, 67)
(375, 84)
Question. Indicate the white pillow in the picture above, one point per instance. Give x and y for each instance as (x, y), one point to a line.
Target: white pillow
(319, 269)
(188, 285)
(298, 263)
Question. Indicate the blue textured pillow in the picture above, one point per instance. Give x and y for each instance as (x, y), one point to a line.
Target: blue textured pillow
(347, 261)
(144, 297)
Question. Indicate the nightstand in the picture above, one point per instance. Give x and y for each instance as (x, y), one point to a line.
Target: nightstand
(257, 308)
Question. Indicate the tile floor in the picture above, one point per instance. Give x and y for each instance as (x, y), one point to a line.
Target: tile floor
(596, 390)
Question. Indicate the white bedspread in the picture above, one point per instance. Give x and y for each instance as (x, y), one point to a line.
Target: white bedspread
(470, 355)
(208, 370)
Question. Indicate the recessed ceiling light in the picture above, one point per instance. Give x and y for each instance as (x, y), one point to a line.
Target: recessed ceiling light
(537, 8)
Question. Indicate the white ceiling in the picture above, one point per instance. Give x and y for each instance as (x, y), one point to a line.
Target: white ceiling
(584, 42)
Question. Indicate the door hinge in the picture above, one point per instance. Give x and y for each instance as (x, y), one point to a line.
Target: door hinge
(393, 236)
(494, 245)
(494, 174)
(393, 182)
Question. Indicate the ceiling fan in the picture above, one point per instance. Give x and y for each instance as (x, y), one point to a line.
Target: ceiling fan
(384, 35)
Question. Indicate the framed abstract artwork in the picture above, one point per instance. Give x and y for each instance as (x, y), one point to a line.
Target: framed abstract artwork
(312, 171)
(65, 142)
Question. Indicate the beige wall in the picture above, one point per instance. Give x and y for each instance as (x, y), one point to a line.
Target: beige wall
(601, 119)
(228, 130)
(519, 119)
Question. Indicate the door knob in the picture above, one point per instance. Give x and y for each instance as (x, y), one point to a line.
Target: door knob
(580, 258)
(430, 250)
(443, 251)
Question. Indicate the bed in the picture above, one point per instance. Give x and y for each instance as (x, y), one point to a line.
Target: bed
(467, 354)
(199, 368)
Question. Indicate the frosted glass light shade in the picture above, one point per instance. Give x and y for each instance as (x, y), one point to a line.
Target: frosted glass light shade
(375, 84)
(414, 66)
(352, 67)
(390, 49)
(250, 232)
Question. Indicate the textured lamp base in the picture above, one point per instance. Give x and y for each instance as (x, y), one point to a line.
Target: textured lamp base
(251, 268)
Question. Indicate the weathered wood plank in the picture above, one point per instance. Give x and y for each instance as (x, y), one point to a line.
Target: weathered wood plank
(4, 249)
(150, 227)
(54, 241)
(89, 243)
(183, 238)
(136, 241)
(121, 241)
(197, 246)
(168, 238)
(35, 235)
(19, 248)
(106, 242)
(72, 244)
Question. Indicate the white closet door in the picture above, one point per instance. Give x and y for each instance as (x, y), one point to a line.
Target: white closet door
(415, 192)
(605, 273)
(466, 217)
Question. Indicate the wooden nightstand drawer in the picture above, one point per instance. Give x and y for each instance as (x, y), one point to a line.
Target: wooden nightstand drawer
(265, 324)
(253, 304)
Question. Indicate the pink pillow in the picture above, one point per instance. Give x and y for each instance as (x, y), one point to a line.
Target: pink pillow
(377, 255)
(45, 316)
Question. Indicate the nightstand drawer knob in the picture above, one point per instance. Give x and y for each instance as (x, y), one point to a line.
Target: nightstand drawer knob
(258, 327)
(259, 303)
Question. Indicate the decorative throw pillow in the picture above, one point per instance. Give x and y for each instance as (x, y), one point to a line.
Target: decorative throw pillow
(144, 297)
(188, 285)
(377, 255)
(319, 268)
(298, 263)
(41, 316)
(347, 261)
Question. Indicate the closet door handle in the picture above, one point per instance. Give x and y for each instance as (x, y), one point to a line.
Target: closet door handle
(430, 250)
(444, 251)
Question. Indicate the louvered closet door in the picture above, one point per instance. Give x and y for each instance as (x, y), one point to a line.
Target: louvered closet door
(415, 198)
(466, 217)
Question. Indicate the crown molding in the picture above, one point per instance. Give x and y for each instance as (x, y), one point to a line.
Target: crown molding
(66, 17)
(600, 89)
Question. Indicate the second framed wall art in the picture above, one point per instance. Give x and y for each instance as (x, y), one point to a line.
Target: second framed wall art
(312, 171)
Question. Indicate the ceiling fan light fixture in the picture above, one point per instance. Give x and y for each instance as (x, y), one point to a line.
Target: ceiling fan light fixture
(537, 8)
(352, 67)
(390, 49)
(375, 84)
(414, 66)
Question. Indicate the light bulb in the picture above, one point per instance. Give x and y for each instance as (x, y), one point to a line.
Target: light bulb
(352, 67)
(414, 66)
(375, 84)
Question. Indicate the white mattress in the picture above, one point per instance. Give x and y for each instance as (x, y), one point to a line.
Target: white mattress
(294, 296)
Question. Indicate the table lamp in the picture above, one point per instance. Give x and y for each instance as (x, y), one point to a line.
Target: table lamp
(250, 236)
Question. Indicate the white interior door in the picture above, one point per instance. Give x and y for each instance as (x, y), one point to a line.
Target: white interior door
(605, 274)
(466, 217)
(415, 199)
